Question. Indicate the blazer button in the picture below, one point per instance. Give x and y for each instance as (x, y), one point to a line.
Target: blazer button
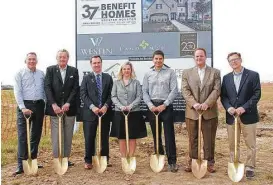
(63, 92)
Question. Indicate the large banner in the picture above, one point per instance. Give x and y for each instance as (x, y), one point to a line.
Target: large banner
(122, 30)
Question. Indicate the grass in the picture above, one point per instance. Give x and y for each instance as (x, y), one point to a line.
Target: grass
(9, 149)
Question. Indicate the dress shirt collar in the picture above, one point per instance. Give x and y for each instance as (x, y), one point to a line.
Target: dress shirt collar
(63, 69)
(163, 68)
(240, 73)
(28, 70)
(97, 74)
(201, 69)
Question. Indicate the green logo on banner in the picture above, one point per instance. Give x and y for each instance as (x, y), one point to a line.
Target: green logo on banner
(144, 44)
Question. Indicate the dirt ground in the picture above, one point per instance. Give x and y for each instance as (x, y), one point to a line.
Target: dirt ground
(143, 174)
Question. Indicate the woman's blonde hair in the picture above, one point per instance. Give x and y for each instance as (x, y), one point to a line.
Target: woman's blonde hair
(133, 74)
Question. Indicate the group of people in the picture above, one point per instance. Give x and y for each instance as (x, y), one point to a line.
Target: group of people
(58, 92)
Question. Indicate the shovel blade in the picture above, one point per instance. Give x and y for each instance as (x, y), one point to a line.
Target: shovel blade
(100, 163)
(60, 165)
(128, 165)
(236, 171)
(199, 168)
(157, 162)
(30, 166)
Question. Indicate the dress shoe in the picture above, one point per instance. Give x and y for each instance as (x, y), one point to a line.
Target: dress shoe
(249, 174)
(172, 168)
(40, 166)
(211, 169)
(88, 166)
(17, 172)
(109, 165)
(70, 164)
(187, 169)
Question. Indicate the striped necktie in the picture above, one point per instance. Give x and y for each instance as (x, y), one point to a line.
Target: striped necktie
(99, 89)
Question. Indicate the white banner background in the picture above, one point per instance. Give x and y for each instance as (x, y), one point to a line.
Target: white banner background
(90, 20)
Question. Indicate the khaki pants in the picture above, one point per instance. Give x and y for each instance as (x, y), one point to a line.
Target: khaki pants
(249, 134)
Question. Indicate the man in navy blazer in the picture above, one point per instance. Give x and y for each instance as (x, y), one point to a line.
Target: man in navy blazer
(241, 91)
(95, 93)
(61, 89)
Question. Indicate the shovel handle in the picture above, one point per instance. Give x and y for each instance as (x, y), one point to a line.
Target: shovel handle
(60, 116)
(200, 113)
(99, 135)
(125, 113)
(126, 131)
(156, 113)
(28, 116)
(157, 134)
(236, 116)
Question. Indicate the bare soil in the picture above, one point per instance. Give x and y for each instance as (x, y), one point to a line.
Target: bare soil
(143, 174)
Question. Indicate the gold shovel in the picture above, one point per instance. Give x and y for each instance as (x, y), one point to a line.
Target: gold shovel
(157, 161)
(199, 166)
(99, 162)
(128, 163)
(236, 169)
(30, 166)
(60, 163)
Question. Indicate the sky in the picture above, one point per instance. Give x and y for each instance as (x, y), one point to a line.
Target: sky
(46, 26)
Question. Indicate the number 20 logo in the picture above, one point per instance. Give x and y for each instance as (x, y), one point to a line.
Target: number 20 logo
(90, 11)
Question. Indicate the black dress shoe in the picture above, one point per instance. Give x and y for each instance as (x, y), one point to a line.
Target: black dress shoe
(250, 174)
(70, 164)
(17, 172)
(109, 165)
(173, 168)
(40, 166)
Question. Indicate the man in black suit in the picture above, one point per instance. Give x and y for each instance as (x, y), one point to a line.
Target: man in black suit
(96, 95)
(241, 91)
(61, 88)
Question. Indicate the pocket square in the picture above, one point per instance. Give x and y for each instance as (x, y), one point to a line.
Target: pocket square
(71, 76)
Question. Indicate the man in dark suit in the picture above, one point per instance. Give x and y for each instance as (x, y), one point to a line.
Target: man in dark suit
(241, 91)
(96, 95)
(61, 88)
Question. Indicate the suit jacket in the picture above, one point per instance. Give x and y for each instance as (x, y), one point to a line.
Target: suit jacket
(248, 95)
(89, 95)
(60, 93)
(193, 92)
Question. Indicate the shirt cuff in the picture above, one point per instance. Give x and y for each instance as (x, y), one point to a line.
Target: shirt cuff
(91, 106)
(150, 105)
(166, 103)
(106, 105)
(229, 109)
(21, 106)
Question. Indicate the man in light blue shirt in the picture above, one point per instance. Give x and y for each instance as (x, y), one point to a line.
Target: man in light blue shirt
(159, 91)
(29, 95)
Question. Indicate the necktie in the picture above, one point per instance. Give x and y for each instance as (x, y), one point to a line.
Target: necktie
(99, 89)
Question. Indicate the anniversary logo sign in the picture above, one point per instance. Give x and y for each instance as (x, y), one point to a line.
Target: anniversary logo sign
(104, 16)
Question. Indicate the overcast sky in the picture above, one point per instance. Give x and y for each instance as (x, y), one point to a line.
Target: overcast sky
(47, 26)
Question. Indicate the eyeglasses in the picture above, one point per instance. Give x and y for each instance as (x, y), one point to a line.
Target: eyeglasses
(234, 60)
